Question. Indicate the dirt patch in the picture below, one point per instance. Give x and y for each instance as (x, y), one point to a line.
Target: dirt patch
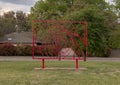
(58, 68)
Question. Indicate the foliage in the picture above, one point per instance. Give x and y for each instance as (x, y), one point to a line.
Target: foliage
(24, 50)
(45, 50)
(117, 5)
(7, 49)
(48, 9)
(114, 41)
(28, 50)
(98, 27)
(20, 51)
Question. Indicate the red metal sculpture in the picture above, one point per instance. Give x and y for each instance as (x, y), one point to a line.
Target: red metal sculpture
(54, 39)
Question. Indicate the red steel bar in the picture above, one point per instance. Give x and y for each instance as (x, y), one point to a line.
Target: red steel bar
(33, 40)
(33, 47)
(43, 65)
(76, 63)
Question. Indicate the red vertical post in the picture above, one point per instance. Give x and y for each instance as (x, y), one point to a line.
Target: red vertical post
(33, 38)
(43, 65)
(76, 64)
(33, 46)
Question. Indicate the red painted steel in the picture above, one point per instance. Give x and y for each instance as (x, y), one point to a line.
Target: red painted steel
(56, 38)
(76, 63)
(43, 63)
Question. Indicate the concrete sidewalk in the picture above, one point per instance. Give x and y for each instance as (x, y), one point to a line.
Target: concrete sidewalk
(29, 58)
(104, 59)
(16, 58)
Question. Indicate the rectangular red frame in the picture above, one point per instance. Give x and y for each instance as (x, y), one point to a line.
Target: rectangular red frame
(85, 41)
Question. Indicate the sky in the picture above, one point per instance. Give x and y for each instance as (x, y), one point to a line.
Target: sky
(15, 5)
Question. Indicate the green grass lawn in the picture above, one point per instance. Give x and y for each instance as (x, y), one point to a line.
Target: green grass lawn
(96, 73)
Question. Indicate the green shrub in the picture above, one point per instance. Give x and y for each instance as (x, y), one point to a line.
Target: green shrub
(24, 50)
(19, 51)
(27, 50)
(45, 50)
(7, 49)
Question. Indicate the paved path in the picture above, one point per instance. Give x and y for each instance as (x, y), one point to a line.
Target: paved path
(104, 59)
(16, 58)
(28, 58)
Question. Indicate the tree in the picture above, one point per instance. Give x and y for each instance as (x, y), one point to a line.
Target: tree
(49, 9)
(117, 5)
(22, 21)
(10, 19)
(97, 12)
(114, 41)
(7, 23)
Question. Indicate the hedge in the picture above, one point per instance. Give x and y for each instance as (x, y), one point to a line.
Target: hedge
(7, 49)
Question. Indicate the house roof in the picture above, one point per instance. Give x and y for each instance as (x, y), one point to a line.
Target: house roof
(15, 37)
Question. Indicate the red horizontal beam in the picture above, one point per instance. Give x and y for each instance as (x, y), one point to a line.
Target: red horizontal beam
(56, 58)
